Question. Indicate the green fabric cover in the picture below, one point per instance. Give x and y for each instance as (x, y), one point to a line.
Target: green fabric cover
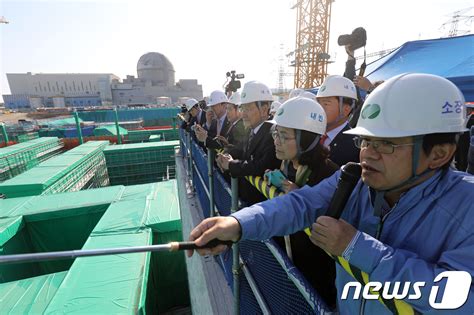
(139, 163)
(154, 138)
(109, 130)
(166, 134)
(64, 172)
(21, 157)
(116, 216)
(63, 122)
(16, 297)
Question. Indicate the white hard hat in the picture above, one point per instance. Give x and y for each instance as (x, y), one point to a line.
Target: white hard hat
(235, 98)
(412, 104)
(309, 95)
(336, 85)
(274, 107)
(301, 113)
(190, 103)
(255, 91)
(217, 97)
(295, 93)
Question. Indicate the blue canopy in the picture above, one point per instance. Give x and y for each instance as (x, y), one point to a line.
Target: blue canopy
(452, 58)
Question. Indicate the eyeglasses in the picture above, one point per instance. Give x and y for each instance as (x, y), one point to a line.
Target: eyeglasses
(380, 146)
(246, 109)
(281, 138)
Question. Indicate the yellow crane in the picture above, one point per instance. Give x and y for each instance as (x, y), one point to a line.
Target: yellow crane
(313, 18)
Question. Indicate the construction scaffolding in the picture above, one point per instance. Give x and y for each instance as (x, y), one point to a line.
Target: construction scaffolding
(80, 168)
(140, 163)
(21, 157)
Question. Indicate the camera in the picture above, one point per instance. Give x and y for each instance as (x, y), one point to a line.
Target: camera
(234, 84)
(355, 40)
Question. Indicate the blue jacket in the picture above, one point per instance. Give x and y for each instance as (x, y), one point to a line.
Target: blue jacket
(430, 230)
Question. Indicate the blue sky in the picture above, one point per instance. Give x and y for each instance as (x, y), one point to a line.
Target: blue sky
(203, 39)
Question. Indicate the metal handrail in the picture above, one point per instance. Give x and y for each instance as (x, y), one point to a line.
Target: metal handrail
(238, 264)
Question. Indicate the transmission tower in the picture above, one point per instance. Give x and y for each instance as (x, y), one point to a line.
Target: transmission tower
(281, 71)
(313, 19)
(456, 17)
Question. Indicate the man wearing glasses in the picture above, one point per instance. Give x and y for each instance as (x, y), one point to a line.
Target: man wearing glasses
(257, 153)
(409, 219)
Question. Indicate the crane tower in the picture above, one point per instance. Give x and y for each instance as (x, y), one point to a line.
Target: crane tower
(312, 42)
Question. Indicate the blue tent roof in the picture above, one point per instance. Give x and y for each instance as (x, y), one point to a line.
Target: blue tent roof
(452, 58)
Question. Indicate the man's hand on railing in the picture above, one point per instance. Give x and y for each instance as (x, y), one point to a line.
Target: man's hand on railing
(221, 228)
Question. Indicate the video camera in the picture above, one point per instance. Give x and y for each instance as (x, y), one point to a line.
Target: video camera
(234, 84)
(355, 40)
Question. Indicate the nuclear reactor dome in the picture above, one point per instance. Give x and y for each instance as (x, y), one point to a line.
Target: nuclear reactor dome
(157, 68)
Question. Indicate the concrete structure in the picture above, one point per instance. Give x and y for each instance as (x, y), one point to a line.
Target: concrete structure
(75, 89)
(155, 80)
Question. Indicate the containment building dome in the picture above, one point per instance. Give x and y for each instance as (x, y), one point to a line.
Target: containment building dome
(157, 68)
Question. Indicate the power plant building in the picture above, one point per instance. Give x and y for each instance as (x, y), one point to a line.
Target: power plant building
(155, 82)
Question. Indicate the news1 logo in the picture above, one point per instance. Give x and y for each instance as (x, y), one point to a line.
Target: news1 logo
(455, 294)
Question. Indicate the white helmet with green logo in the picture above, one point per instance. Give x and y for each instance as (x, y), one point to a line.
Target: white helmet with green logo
(217, 97)
(295, 92)
(301, 113)
(412, 104)
(255, 91)
(274, 107)
(336, 85)
(235, 98)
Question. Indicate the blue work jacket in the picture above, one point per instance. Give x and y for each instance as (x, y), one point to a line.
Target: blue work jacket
(428, 231)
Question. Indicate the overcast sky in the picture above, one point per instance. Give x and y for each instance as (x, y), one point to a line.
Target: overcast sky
(203, 39)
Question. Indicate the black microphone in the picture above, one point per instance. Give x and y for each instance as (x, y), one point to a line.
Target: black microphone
(470, 154)
(346, 183)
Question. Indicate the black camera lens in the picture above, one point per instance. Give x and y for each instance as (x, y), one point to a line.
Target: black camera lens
(355, 40)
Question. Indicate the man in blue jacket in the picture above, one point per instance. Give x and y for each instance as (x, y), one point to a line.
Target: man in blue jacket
(410, 219)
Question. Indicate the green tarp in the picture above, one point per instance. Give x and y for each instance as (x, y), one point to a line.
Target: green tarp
(21, 157)
(116, 216)
(81, 167)
(166, 134)
(139, 163)
(110, 130)
(63, 122)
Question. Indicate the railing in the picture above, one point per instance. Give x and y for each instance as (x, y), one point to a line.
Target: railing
(263, 278)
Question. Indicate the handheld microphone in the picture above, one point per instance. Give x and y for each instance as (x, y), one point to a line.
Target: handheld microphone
(346, 183)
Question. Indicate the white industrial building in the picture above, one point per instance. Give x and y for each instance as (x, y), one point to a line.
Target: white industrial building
(155, 82)
(59, 89)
